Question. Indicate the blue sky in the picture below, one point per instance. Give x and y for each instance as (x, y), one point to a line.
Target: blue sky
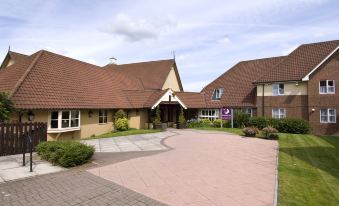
(208, 37)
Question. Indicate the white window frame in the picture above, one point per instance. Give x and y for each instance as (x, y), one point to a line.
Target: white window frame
(60, 128)
(218, 93)
(276, 91)
(211, 114)
(281, 113)
(327, 87)
(328, 121)
(104, 116)
(248, 110)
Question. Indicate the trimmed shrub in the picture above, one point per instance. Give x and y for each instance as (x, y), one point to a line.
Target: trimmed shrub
(217, 123)
(250, 131)
(270, 132)
(206, 123)
(258, 122)
(65, 153)
(241, 119)
(294, 126)
(157, 120)
(121, 124)
(120, 114)
(182, 120)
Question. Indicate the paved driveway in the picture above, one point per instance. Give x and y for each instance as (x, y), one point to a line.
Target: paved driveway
(203, 168)
(140, 142)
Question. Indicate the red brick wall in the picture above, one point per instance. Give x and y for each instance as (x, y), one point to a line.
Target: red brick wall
(295, 105)
(329, 71)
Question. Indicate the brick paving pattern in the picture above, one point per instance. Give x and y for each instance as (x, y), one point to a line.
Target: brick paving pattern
(73, 187)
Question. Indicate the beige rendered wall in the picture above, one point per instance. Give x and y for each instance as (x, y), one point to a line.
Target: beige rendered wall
(137, 118)
(172, 81)
(291, 88)
(88, 126)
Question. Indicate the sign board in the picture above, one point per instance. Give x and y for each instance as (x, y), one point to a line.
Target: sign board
(226, 113)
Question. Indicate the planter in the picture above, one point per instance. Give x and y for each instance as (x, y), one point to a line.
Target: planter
(157, 126)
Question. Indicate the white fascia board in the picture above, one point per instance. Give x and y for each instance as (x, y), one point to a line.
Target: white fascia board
(175, 99)
(307, 77)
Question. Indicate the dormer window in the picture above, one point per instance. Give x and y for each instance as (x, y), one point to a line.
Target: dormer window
(217, 93)
(278, 89)
(327, 87)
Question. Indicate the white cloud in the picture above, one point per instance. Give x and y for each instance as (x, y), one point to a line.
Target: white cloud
(137, 29)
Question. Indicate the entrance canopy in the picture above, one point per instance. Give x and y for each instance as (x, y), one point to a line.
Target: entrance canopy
(169, 97)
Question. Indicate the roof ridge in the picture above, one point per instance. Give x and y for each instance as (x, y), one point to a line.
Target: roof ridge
(321, 42)
(161, 60)
(23, 77)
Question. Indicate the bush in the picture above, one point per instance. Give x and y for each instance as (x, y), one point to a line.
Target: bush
(217, 123)
(294, 126)
(157, 119)
(258, 122)
(6, 106)
(270, 132)
(241, 119)
(119, 115)
(65, 153)
(121, 124)
(194, 123)
(182, 120)
(250, 131)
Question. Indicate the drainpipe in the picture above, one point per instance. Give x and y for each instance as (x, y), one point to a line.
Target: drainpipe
(263, 100)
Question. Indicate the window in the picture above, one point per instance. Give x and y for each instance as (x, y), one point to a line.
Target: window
(327, 87)
(60, 120)
(278, 113)
(328, 116)
(102, 116)
(210, 114)
(278, 89)
(247, 111)
(217, 93)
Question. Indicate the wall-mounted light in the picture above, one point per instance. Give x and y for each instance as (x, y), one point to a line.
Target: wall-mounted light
(313, 110)
(90, 113)
(30, 115)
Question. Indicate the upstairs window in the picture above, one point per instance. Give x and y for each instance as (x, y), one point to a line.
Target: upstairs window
(217, 93)
(328, 116)
(278, 89)
(327, 87)
(102, 116)
(278, 113)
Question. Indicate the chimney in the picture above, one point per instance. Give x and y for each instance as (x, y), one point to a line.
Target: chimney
(112, 60)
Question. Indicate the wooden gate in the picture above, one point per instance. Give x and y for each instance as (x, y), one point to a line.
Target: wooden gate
(12, 136)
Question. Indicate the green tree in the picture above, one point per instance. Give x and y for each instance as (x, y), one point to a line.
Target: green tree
(157, 119)
(6, 106)
(182, 120)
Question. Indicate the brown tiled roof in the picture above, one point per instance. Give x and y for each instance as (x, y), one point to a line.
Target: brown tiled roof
(192, 99)
(46, 80)
(237, 83)
(151, 74)
(300, 62)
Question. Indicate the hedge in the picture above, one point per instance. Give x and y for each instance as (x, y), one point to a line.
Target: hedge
(65, 153)
(285, 125)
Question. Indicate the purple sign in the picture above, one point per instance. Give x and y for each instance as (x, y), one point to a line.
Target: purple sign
(226, 113)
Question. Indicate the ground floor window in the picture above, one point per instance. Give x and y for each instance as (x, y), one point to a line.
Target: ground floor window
(328, 116)
(278, 113)
(247, 111)
(210, 114)
(102, 116)
(64, 119)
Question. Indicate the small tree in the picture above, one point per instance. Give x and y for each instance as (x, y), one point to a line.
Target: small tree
(6, 106)
(119, 115)
(182, 120)
(157, 119)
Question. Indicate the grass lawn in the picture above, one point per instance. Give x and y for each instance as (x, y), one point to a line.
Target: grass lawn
(125, 133)
(308, 170)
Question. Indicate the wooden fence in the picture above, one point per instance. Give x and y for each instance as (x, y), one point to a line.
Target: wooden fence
(12, 136)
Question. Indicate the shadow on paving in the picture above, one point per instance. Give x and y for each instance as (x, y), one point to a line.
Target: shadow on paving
(72, 187)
